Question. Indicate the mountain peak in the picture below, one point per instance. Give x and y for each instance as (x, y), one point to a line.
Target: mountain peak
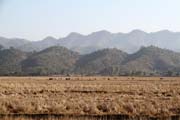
(137, 31)
(49, 38)
(163, 32)
(154, 50)
(74, 34)
(166, 30)
(54, 48)
(149, 48)
(102, 32)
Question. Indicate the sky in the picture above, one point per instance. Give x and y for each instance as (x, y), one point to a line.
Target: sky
(37, 19)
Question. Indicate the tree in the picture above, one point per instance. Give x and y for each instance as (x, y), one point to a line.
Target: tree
(169, 73)
(177, 74)
(1, 47)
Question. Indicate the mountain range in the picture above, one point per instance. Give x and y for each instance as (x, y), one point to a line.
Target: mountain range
(128, 42)
(58, 60)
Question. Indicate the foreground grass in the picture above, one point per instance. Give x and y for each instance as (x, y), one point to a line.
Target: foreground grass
(90, 96)
(87, 117)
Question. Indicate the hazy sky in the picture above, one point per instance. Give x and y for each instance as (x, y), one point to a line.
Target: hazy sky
(36, 19)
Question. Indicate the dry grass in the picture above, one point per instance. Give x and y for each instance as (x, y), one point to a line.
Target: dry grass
(90, 95)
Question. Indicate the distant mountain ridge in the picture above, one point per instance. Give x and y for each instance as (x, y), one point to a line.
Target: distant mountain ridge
(57, 60)
(128, 42)
(13, 42)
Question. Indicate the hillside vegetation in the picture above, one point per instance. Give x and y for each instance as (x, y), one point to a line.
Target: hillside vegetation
(54, 60)
(10, 61)
(148, 61)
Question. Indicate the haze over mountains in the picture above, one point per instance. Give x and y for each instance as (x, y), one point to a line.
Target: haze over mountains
(99, 53)
(128, 42)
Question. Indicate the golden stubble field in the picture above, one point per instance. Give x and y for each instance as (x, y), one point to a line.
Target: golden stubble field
(133, 96)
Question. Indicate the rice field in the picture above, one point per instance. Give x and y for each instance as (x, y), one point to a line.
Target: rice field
(89, 98)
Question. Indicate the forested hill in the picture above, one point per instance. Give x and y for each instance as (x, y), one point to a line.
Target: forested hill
(57, 60)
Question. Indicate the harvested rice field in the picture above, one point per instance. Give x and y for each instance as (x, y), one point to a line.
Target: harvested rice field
(89, 98)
